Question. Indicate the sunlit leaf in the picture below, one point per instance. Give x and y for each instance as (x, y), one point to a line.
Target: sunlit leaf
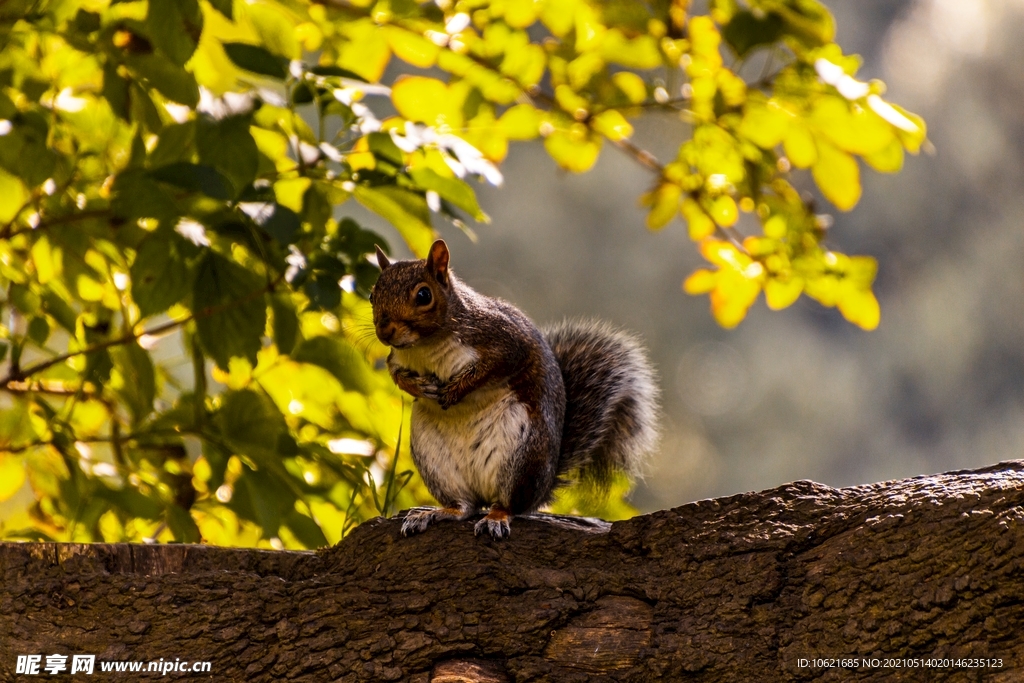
(837, 176)
(576, 155)
(405, 210)
(450, 189)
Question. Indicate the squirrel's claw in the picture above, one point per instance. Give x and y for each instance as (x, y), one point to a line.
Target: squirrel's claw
(496, 523)
(417, 521)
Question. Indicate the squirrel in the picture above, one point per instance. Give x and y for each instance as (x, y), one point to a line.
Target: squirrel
(505, 413)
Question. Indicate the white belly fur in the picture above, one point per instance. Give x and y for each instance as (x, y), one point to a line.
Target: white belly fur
(442, 442)
(444, 358)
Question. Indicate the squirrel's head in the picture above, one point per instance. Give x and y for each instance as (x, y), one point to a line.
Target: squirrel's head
(410, 299)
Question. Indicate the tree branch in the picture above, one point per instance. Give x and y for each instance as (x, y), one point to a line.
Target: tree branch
(735, 589)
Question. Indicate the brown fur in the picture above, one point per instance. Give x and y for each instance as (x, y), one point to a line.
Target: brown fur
(611, 424)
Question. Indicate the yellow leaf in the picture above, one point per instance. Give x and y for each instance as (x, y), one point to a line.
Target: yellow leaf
(631, 85)
(889, 159)
(274, 27)
(366, 52)
(837, 176)
(12, 475)
(612, 125)
(664, 205)
(732, 87)
(411, 48)
(764, 124)
(12, 196)
(724, 211)
(799, 145)
(700, 282)
(89, 289)
(361, 157)
(589, 29)
(699, 224)
(521, 13)
(823, 289)
(484, 133)
(524, 63)
(46, 260)
(775, 227)
(427, 100)
(583, 68)
(573, 155)
(732, 298)
(780, 294)
(860, 307)
(521, 122)
(289, 192)
(558, 15)
(852, 129)
(636, 53)
(704, 41)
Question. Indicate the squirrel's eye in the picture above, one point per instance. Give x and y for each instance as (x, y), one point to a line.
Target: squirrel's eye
(423, 296)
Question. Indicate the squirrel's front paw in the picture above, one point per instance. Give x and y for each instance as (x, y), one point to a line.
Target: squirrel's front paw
(496, 523)
(430, 387)
(417, 521)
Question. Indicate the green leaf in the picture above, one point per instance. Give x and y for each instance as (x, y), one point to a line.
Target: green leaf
(59, 310)
(227, 146)
(257, 59)
(405, 210)
(174, 27)
(453, 190)
(306, 530)
(171, 80)
(159, 274)
(115, 91)
(336, 71)
(230, 311)
(136, 370)
(176, 143)
(323, 291)
(38, 331)
(251, 423)
(225, 7)
(340, 358)
(745, 31)
(131, 502)
(263, 498)
(285, 323)
(195, 178)
(182, 526)
(276, 220)
(383, 147)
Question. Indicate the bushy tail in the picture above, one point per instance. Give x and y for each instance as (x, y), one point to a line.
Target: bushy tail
(611, 400)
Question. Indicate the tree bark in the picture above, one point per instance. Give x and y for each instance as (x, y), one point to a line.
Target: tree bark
(925, 576)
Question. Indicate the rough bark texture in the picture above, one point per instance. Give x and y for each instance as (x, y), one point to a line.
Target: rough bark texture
(734, 589)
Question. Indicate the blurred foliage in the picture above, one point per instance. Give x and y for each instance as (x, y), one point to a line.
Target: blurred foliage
(187, 346)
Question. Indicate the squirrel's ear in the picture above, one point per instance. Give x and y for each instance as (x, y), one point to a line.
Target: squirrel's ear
(437, 261)
(382, 260)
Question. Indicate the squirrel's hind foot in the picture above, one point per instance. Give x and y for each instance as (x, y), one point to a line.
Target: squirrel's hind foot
(496, 523)
(419, 519)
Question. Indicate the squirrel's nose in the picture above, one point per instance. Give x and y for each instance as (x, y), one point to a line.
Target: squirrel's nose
(386, 331)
